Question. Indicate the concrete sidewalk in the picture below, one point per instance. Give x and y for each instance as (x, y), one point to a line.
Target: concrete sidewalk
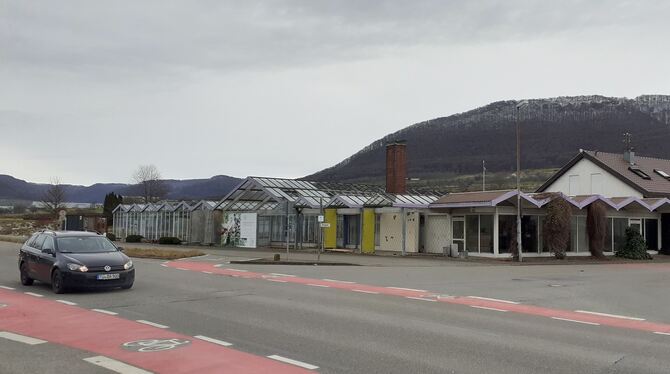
(378, 259)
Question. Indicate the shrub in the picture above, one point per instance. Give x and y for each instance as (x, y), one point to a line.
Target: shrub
(596, 225)
(635, 247)
(134, 238)
(169, 240)
(557, 226)
(111, 236)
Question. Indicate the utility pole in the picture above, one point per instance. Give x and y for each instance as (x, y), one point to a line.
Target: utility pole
(288, 231)
(519, 105)
(483, 175)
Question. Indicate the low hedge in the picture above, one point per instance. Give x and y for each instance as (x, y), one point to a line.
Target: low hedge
(169, 240)
(134, 238)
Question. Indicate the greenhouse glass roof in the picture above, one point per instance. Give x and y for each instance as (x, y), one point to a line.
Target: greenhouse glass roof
(260, 193)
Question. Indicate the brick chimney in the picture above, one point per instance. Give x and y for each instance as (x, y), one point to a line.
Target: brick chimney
(396, 167)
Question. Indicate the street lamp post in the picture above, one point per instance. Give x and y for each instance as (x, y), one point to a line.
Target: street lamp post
(519, 105)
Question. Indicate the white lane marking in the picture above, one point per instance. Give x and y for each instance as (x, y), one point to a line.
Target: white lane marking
(164, 265)
(277, 280)
(364, 291)
(337, 281)
(406, 289)
(212, 340)
(282, 275)
(207, 272)
(154, 324)
(419, 298)
(181, 269)
(8, 288)
(318, 285)
(66, 302)
(488, 308)
(33, 294)
(576, 321)
(190, 258)
(105, 312)
(491, 299)
(294, 362)
(115, 366)
(610, 315)
(21, 338)
(662, 333)
(240, 270)
(218, 265)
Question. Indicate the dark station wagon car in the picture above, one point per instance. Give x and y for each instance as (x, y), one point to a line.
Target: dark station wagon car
(70, 259)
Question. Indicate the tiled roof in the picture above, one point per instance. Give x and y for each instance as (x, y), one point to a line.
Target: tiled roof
(470, 197)
(656, 184)
(653, 185)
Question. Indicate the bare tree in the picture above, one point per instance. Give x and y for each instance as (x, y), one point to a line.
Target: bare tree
(152, 187)
(54, 197)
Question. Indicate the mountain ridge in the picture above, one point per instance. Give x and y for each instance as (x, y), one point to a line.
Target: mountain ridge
(12, 188)
(553, 130)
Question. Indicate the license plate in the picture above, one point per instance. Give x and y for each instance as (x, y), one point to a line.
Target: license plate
(108, 276)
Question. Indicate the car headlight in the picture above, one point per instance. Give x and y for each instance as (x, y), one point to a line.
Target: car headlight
(128, 264)
(77, 267)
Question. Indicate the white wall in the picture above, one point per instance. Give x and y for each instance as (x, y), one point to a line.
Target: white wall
(390, 232)
(587, 178)
(412, 239)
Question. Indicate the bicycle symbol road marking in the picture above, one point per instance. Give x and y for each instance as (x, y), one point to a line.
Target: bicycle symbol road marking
(154, 345)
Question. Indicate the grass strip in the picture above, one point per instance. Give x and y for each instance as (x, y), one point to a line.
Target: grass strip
(161, 254)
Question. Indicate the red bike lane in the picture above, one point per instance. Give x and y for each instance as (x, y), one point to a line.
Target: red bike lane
(106, 335)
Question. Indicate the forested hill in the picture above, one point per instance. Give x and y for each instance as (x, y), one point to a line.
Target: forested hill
(187, 189)
(553, 130)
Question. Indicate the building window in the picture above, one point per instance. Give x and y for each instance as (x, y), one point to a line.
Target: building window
(573, 188)
(506, 233)
(651, 233)
(619, 226)
(530, 234)
(278, 234)
(486, 233)
(479, 233)
(596, 183)
(472, 233)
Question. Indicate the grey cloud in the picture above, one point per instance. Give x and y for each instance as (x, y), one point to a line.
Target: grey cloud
(171, 35)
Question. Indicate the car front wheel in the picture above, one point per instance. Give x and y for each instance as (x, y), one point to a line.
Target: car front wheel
(26, 280)
(57, 282)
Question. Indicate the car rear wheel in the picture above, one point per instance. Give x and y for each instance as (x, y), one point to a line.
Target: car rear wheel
(26, 280)
(57, 282)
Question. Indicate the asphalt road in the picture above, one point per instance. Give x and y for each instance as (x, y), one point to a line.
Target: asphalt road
(354, 332)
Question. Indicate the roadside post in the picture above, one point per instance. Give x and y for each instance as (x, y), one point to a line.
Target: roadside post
(320, 219)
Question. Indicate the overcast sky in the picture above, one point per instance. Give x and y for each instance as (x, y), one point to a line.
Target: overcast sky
(89, 90)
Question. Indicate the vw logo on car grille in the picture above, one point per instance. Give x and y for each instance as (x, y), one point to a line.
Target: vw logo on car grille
(154, 345)
(108, 268)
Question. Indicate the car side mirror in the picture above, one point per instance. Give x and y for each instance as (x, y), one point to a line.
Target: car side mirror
(121, 249)
(49, 251)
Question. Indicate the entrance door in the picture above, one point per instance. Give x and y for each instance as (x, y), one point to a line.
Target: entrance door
(458, 230)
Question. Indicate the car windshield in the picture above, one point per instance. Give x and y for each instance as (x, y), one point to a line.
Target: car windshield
(83, 244)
